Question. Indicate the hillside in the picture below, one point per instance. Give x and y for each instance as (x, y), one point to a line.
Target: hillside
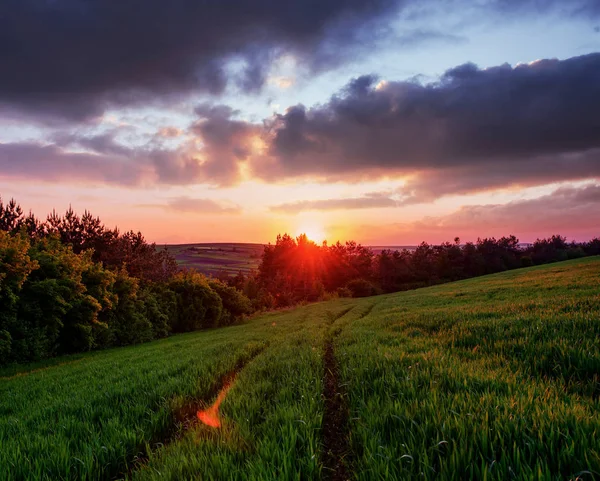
(490, 378)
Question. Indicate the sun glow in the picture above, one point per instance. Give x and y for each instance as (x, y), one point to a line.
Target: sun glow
(314, 232)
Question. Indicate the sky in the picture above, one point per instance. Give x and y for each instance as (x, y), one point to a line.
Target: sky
(389, 122)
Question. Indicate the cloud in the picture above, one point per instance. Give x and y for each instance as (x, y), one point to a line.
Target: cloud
(72, 60)
(33, 161)
(473, 129)
(281, 82)
(99, 160)
(567, 210)
(584, 8)
(216, 147)
(169, 132)
(420, 37)
(200, 206)
(227, 143)
(367, 202)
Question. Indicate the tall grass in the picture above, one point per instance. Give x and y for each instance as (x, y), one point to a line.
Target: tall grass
(489, 378)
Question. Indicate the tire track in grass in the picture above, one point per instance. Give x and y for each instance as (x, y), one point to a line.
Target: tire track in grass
(336, 446)
(332, 317)
(367, 312)
(336, 449)
(188, 416)
(40, 369)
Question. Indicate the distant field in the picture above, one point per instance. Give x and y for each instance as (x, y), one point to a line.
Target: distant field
(230, 257)
(216, 258)
(489, 378)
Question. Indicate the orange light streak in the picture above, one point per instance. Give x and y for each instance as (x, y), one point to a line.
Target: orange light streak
(210, 416)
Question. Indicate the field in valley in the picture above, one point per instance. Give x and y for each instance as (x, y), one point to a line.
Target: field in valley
(217, 258)
(495, 377)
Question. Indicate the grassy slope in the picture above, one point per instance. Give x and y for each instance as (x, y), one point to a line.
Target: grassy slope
(494, 377)
(491, 378)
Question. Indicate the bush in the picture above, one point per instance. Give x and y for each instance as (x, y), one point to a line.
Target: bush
(361, 288)
(160, 307)
(15, 267)
(264, 300)
(235, 304)
(197, 305)
(526, 261)
(5, 346)
(55, 312)
(127, 322)
(343, 292)
(575, 252)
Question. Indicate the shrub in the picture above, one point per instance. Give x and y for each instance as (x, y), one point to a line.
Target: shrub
(264, 300)
(526, 261)
(160, 306)
(15, 266)
(235, 304)
(361, 288)
(5, 346)
(197, 305)
(127, 321)
(55, 312)
(343, 292)
(575, 252)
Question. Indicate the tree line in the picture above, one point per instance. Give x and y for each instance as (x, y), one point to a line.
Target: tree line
(296, 270)
(70, 284)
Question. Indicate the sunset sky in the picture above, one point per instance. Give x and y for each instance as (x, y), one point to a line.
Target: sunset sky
(388, 122)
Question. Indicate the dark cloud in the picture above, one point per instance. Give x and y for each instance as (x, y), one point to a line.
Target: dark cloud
(74, 58)
(520, 8)
(104, 143)
(367, 202)
(227, 142)
(471, 130)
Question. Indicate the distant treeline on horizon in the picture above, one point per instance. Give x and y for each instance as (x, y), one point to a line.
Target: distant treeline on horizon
(375, 248)
(70, 284)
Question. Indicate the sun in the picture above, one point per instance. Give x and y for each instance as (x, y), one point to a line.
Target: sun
(314, 232)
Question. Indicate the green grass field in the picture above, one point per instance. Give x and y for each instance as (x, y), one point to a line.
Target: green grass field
(489, 378)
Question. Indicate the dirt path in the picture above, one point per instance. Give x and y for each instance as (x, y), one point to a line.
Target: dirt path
(336, 449)
(335, 421)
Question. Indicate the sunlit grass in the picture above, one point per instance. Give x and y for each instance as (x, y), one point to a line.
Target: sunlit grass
(489, 378)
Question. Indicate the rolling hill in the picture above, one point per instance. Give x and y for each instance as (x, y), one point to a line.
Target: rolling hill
(489, 378)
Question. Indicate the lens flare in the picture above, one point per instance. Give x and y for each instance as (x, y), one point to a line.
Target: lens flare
(210, 416)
